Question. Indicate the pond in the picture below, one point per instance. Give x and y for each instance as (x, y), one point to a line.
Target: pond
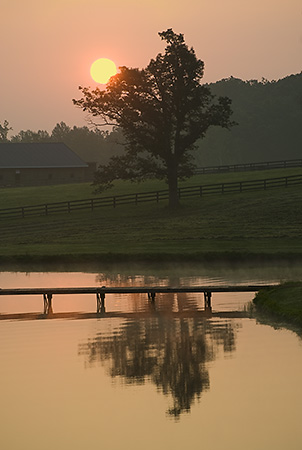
(141, 377)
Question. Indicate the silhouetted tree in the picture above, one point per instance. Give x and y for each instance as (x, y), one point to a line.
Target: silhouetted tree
(162, 110)
(31, 136)
(4, 130)
(60, 132)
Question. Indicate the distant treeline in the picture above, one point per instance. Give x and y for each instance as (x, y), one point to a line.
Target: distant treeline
(269, 117)
(92, 145)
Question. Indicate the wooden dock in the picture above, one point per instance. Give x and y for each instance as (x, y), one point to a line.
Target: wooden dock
(151, 291)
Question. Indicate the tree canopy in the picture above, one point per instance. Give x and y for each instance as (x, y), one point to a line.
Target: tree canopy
(162, 111)
(4, 130)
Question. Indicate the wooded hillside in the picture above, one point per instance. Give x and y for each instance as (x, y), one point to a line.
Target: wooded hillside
(269, 117)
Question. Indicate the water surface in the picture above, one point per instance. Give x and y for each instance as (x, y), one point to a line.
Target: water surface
(164, 377)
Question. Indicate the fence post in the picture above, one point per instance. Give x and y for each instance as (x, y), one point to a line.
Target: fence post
(157, 197)
(114, 202)
(68, 206)
(23, 212)
(136, 199)
(91, 204)
(46, 210)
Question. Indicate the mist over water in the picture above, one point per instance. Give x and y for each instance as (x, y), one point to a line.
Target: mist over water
(209, 272)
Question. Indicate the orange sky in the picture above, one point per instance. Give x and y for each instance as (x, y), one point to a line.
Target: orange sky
(47, 46)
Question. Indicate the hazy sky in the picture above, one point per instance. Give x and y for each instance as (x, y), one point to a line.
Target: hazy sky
(47, 46)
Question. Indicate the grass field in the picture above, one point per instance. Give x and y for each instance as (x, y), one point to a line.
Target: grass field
(12, 197)
(255, 224)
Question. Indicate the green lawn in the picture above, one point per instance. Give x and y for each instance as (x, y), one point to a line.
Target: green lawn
(255, 224)
(25, 196)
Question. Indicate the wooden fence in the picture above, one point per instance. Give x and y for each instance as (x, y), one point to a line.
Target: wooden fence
(249, 167)
(144, 197)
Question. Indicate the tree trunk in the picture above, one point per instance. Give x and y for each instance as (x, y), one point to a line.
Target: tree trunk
(173, 186)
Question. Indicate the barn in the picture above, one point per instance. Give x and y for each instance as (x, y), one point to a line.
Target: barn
(37, 164)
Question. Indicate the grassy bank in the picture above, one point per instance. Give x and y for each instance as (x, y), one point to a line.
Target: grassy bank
(283, 302)
(259, 224)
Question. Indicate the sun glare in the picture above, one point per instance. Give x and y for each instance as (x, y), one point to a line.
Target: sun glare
(102, 69)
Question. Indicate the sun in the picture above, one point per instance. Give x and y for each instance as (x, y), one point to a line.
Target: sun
(102, 69)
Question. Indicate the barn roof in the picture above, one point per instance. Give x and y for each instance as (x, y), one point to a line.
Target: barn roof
(38, 155)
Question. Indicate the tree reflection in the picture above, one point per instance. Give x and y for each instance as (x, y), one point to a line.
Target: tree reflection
(172, 353)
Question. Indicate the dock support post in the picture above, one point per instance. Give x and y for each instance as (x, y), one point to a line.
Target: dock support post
(100, 302)
(151, 296)
(47, 298)
(207, 301)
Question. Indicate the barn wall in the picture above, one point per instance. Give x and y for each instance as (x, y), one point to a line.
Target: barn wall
(41, 177)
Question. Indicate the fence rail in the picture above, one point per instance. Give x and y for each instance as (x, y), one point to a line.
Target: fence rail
(246, 167)
(144, 197)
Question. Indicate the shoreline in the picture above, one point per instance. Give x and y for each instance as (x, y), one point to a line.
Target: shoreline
(208, 258)
(283, 303)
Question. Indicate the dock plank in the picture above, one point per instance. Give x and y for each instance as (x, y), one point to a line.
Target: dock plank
(133, 289)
